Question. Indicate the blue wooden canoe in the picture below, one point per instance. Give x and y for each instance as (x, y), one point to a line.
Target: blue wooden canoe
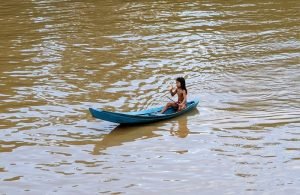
(144, 116)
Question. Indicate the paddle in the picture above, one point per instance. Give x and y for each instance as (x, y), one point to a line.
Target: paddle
(171, 99)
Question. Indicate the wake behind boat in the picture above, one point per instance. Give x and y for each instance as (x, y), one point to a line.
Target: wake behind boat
(144, 116)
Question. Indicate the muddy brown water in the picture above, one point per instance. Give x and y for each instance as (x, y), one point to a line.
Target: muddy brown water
(60, 57)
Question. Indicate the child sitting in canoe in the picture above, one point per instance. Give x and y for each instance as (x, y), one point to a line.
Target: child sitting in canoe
(181, 92)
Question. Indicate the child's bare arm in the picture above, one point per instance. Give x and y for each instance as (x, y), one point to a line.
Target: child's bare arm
(172, 92)
(184, 98)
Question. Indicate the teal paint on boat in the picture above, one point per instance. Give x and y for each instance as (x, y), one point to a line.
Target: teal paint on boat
(144, 116)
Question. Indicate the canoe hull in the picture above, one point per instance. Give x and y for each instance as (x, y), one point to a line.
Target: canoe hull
(140, 117)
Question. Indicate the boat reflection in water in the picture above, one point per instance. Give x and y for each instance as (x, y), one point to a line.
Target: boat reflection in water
(124, 134)
(181, 130)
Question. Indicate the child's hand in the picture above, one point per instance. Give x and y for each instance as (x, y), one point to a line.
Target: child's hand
(171, 88)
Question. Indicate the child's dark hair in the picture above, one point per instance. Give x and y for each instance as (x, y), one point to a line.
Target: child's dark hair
(181, 80)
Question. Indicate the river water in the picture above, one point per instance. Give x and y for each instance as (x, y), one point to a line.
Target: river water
(60, 57)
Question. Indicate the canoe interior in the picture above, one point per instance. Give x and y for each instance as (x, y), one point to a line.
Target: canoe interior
(156, 111)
